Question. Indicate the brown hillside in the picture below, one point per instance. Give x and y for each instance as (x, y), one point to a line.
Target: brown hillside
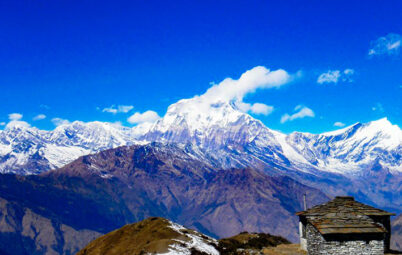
(249, 242)
(158, 236)
(153, 235)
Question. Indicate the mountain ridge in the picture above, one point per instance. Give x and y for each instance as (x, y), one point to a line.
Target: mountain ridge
(20, 148)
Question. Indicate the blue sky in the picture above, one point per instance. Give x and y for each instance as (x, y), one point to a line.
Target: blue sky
(72, 59)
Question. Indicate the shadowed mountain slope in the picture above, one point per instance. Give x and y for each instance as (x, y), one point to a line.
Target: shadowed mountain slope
(105, 191)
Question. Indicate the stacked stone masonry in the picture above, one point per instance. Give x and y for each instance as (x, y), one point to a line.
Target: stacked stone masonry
(317, 245)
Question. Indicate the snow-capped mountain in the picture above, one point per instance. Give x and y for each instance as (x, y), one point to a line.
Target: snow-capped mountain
(221, 130)
(31, 151)
(236, 139)
(350, 149)
(220, 133)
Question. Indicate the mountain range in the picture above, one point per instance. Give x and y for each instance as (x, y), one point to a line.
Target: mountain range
(219, 127)
(206, 165)
(367, 155)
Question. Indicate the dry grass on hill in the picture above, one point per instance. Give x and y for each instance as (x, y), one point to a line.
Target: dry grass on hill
(149, 236)
(248, 243)
(284, 249)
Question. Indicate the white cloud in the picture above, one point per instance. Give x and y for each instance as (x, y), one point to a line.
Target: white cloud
(2, 123)
(333, 76)
(39, 117)
(15, 121)
(300, 112)
(59, 121)
(328, 77)
(386, 45)
(138, 118)
(348, 75)
(339, 124)
(256, 78)
(15, 116)
(120, 108)
(233, 91)
(349, 71)
(259, 108)
(256, 108)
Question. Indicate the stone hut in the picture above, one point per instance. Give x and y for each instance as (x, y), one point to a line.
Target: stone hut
(344, 226)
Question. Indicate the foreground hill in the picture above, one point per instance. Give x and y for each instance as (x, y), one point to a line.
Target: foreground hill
(152, 236)
(102, 192)
(161, 236)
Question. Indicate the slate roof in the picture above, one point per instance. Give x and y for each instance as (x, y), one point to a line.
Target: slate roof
(346, 205)
(344, 215)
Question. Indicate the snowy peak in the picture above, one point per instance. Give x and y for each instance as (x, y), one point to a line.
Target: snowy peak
(30, 150)
(387, 136)
(223, 133)
(353, 148)
(383, 131)
(205, 124)
(198, 114)
(92, 135)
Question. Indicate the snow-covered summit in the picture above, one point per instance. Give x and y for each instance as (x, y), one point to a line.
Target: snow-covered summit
(222, 132)
(205, 124)
(352, 148)
(383, 130)
(199, 114)
(28, 150)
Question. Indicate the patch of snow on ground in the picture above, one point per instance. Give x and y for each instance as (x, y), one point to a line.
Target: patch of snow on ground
(195, 242)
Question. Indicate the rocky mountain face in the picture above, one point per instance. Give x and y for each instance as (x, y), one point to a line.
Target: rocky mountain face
(168, 177)
(101, 192)
(24, 229)
(363, 160)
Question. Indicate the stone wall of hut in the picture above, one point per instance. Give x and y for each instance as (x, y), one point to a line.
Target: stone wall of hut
(317, 245)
